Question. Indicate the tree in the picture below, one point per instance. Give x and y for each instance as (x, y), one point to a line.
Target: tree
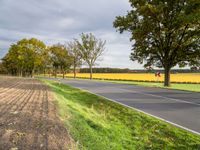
(45, 61)
(60, 58)
(164, 33)
(75, 54)
(2, 68)
(91, 49)
(23, 57)
(11, 61)
(30, 53)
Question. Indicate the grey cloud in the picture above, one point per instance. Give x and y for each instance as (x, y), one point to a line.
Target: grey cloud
(62, 20)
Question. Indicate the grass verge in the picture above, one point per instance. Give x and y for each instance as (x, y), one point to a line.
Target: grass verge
(175, 86)
(98, 124)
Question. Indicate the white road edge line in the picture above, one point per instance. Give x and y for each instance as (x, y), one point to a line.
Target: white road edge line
(195, 132)
(177, 125)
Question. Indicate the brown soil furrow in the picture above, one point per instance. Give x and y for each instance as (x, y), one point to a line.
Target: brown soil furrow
(26, 100)
(13, 106)
(34, 105)
(8, 113)
(28, 117)
(41, 136)
(9, 101)
(7, 96)
(6, 81)
(12, 102)
(5, 113)
(37, 133)
(30, 114)
(13, 89)
(8, 85)
(45, 118)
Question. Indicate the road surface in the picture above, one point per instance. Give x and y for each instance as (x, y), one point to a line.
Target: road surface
(180, 108)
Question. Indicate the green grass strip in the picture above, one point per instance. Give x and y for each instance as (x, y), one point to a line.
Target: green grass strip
(99, 124)
(175, 86)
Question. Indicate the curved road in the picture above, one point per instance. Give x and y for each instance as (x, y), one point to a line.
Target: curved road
(180, 108)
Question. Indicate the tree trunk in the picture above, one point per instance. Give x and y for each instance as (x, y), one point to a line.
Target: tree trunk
(32, 73)
(74, 71)
(167, 77)
(44, 72)
(21, 73)
(90, 72)
(74, 68)
(55, 73)
(49, 74)
(63, 74)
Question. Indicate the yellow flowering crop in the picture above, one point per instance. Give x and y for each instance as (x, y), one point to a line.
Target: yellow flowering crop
(179, 77)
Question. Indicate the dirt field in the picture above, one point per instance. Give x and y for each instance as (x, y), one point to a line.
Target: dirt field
(28, 117)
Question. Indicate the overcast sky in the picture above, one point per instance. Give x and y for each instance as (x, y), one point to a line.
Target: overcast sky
(56, 21)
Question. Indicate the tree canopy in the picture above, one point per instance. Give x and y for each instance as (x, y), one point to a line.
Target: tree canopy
(165, 33)
(75, 54)
(24, 57)
(30, 56)
(90, 49)
(60, 58)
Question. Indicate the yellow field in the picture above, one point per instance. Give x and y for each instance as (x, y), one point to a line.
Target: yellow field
(181, 77)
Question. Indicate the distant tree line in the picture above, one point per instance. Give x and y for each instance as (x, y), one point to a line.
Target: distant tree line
(105, 70)
(126, 70)
(31, 56)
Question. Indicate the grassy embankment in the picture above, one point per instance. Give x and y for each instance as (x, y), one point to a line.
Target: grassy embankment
(99, 124)
(176, 86)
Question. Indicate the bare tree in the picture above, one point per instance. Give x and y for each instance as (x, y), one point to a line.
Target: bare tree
(90, 49)
(74, 52)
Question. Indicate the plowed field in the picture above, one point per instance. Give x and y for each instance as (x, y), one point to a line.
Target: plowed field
(28, 117)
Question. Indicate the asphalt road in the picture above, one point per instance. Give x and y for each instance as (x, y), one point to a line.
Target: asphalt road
(180, 108)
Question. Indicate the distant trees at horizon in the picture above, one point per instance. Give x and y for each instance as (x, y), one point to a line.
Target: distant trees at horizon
(31, 56)
(126, 70)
